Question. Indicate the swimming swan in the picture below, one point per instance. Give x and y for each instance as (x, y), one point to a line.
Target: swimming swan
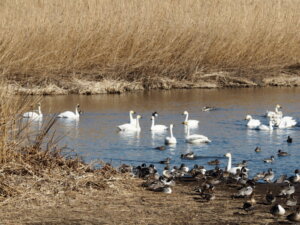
(277, 113)
(196, 138)
(157, 127)
(286, 122)
(252, 123)
(70, 114)
(189, 122)
(265, 127)
(132, 121)
(170, 140)
(230, 169)
(34, 115)
(131, 127)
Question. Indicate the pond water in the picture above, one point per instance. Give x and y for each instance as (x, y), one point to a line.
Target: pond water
(95, 135)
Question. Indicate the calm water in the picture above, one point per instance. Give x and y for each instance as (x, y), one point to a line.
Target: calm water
(95, 136)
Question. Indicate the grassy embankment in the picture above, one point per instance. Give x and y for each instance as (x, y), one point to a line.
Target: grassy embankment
(113, 46)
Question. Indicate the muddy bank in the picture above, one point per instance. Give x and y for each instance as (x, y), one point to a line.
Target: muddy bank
(113, 198)
(92, 84)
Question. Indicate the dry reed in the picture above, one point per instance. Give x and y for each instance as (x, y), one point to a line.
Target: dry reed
(45, 41)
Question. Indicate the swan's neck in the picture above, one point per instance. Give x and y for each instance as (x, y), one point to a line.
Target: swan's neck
(229, 163)
(130, 117)
(152, 123)
(276, 109)
(171, 132)
(76, 111)
(271, 125)
(186, 117)
(40, 111)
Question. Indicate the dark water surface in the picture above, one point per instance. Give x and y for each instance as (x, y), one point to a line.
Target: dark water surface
(95, 135)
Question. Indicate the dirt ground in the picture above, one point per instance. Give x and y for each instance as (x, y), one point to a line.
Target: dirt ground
(124, 201)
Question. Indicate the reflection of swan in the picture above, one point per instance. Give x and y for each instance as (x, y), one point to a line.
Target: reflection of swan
(171, 139)
(276, 113)
(131, 127)
(69, 114)
(34, 115)
(189, 122)
(252, 123)
(230, 169)
(157, 127)
(265, 127)
(196, 138)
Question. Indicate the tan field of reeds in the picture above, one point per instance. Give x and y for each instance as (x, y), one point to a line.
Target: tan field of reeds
(52, 41)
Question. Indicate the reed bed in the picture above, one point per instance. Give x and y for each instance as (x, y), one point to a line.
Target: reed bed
(45, 41)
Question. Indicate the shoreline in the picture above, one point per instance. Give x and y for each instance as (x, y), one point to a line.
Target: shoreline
(85, 85)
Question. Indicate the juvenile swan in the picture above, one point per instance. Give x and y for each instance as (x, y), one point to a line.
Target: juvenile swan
(170, 140)
(70, 114)
(34, 115)
(189, 122)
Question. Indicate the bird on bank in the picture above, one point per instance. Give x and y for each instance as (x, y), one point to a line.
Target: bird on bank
(270, 198)
(294, 217)
(277, 210)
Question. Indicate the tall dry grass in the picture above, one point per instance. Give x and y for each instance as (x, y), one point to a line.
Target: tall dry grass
(137, 39)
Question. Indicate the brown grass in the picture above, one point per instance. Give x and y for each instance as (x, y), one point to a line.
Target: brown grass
(45, 41)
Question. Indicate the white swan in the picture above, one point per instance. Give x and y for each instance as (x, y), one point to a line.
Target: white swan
(196, 138)
(34, 115)
(131, 119)
(265, 127)
(189, 122)
(230, 169)
(286, 122)
(131, 127)
(276, 113)
(252, 123)
(70, 114)
(157, 127)
(171, 139)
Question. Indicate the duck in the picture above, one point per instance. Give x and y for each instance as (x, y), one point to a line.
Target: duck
(189, 155)
(291, 201)
(277, 210)
(257, 149)
(166, 161)
(191, 123)
(166, 172)
(195, 138)
(170, 140)
(157, 127)
(131, 127)
(276, 113)
(270, 198)
(289, 139)
(161, 148)
(294, 217)
(232, 170)
(248, 206)
(70, 114)
(269, 176)
(214, 162)
(208, 108)
(184, 168)
(165, 189)
(244, 192)
(252, 123)
(288, 190)
(269, 160)
(281, 153)
(34, 115)
(295, 178)
(242, 164)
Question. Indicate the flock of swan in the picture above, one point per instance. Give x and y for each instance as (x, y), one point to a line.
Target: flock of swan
(276, 119)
